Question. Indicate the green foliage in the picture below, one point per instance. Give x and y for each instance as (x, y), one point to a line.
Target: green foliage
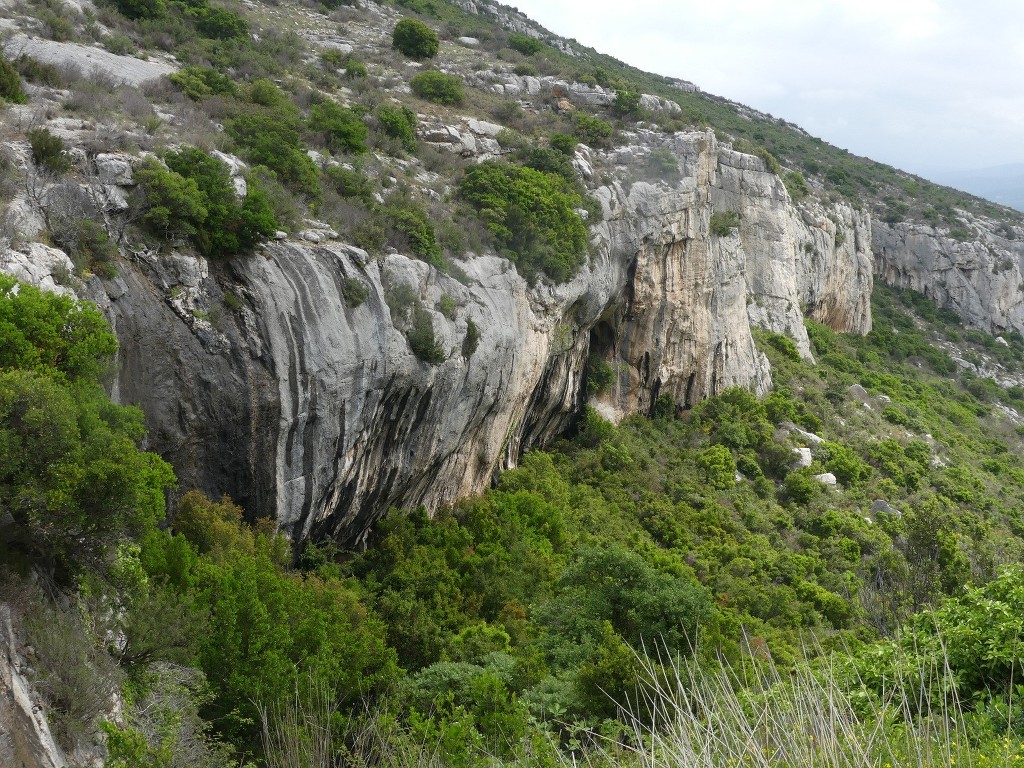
(592, 131)
(142, 9)
(229, 226)
(354, 292)
(265, 622)
(71, 476)
(600, 374)
(48, 151)
(342, 128)
(718, 465)
(415, 39)
(172, 204)
(531, 214)
(11, 89)
(422, 340)
(199, 82)
(194, 197)
(724, 223)
(627, 102)
(434, 85)
(271, 135)
(349, 183)
(472, 340)
(525, 44)
(796, 185)
(219, 23)
(563, 142)
(398, 122)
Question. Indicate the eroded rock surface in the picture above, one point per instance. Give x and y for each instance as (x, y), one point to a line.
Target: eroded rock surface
(260, 380)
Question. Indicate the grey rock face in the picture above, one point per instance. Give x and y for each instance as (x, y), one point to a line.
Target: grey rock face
(303, 406)
(25, 737)
(978, 279)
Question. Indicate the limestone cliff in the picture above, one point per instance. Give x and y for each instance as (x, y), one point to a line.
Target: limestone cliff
(979, 278)
(305, 406)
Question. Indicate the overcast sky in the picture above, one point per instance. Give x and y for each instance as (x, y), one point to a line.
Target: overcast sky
(924, 85)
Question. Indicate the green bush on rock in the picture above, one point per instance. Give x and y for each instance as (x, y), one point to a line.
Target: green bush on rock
(532, 215)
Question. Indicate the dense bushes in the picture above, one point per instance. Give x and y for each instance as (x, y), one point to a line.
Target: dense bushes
(194, 197)
(342, 129)
(433, 85)
(398, 122)
(532, 216)
(415, 39)
(10, 83)
(72, 480)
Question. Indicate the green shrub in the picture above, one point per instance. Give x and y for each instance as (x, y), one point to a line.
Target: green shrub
(563, 142)
(531, 214)
(421, 338)
(199, 82)
(219, 23)
(48, 151)
(438, 87)
(592, 131)
(717, 464)
(723, 223)
(172, 205)
(797, 186)
(342, 128)
(627, 102)
(10, 83)
(398, 122)
(525, 44)
(349, 183)
(142, 9)
(354, 292)
(472, 340)
(415, 39)
(273, 137)
(229, 227)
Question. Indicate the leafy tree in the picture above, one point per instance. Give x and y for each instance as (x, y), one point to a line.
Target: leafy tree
(172, 205)
(399, 122)
(72, 478)
(531, 214)
(436, 86)
(10, 83)
(342, 128)
(415, 39)
(229, 227)
(627, 102)
(525, 44)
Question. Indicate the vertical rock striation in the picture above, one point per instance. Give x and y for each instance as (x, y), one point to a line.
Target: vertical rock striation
(313, 408)
(979, 279)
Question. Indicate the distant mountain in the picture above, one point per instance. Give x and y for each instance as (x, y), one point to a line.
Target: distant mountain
(1002, 183)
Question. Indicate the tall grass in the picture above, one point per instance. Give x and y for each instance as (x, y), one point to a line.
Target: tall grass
(818, 716)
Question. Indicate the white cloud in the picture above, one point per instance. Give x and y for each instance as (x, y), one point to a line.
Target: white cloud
(920, 84)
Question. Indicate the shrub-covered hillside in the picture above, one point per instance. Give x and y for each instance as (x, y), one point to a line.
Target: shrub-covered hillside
(514, 627)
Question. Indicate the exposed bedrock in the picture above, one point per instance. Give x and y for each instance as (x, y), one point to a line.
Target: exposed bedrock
(262, 382)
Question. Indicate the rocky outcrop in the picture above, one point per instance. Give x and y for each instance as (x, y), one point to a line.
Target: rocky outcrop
(980, 279)
(25, 737)
(261, 380)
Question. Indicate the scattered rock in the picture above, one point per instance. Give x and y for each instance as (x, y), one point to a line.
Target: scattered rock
(858, 393)
(881, 506)
(472, 42)
(826, 478)
(803, 457)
